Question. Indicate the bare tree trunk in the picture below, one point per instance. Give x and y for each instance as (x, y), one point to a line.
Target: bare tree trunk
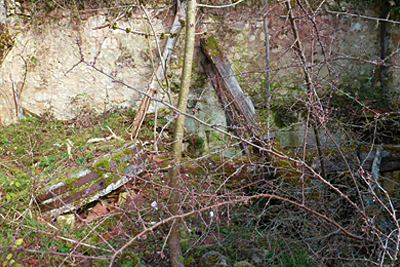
(384, 10)
(174, 243)
(18, 109)
(160, 71)
(268, 70)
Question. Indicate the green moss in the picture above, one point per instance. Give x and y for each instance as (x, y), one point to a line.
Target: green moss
(215, 137)
(191, 167)
(69, 183)
(177, 63)
(162, 156)
(100, 263)
(199, 79)
(102, 165)
(7, 41)
(165, 163)
(101, 168)
(243, 264)
(128, 257)
(194, 184)
(212, 46)
(212, 259)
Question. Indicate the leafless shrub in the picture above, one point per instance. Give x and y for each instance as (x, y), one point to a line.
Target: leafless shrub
(336, 207)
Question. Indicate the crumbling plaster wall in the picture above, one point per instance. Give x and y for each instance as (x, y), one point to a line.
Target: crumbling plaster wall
(351, 50)
(50, 53)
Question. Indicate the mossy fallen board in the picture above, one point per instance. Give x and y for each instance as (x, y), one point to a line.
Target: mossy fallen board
(89, 184)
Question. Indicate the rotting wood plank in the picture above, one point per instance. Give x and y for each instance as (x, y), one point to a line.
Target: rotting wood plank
(231, 87)
(59, 202)
(89, 185)
(62, 189)
(238, 108)
(230, 112)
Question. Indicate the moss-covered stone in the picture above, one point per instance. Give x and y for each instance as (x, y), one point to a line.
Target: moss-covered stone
(213, 259)
(67, 220)
(243, 264)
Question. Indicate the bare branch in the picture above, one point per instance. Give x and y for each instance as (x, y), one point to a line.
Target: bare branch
(221, 6)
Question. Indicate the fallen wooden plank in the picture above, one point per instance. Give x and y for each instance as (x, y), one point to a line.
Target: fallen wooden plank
(58, 190)
(89, 184)
(229, 87)
(238, 108)
(57, 202)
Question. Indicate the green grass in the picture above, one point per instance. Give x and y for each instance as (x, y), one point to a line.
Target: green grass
(33, 155)
(38, 152)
